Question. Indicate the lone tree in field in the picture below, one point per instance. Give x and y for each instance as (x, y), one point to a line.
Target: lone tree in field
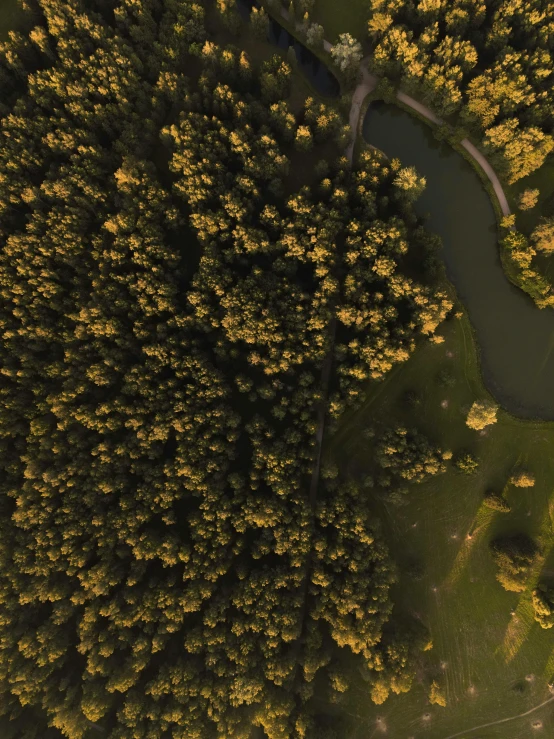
(347, 54)
(543, 605)
(496, 502)
(514, 556)
(482, 414)
(528, 199)
(436, 694)
(523, 479)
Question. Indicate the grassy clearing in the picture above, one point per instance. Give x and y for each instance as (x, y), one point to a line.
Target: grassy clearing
(11, 17)
(351, 18)
(482, 654)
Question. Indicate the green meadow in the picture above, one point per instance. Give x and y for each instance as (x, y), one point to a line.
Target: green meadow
(491, 657)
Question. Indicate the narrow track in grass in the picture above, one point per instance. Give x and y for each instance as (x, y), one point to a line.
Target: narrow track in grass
(500, 721)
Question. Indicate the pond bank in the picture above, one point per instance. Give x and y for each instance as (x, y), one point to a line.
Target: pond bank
(516, 339)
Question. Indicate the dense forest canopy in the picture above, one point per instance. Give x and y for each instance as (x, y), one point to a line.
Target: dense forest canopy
(168, 309)
(488, 64)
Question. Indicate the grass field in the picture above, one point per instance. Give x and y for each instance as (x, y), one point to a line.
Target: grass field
(351, 17)
(493, 665)
(11, 17)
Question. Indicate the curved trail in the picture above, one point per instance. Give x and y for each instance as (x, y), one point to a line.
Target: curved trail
(472, 150)
(501, 721)
(363, 88)
(367, 84)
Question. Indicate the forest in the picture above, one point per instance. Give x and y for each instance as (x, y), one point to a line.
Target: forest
(486, 68)
(490, 64)
(176, 321)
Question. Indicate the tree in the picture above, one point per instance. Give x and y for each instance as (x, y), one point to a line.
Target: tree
(466, 463)
(489, 67)
(260, 23)
(409, 454)
(304, 139)
(436, 694)
(528, 198)
(514, 557)
(523, 479)
(482, 414)
(347, 54)
(497, 502)
(410, 183)
(543, 236)
(315, 36)
(166, 315)
(543, 605)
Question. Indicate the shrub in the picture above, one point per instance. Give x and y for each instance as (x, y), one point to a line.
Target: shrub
(528, 199)
(467, 463)
(523, 479)
(497, 502)
(436, 694)
(543, 605)
(543, 236)
(514, 556)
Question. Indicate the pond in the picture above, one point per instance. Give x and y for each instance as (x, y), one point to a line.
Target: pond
(516, 339)
(321, 78)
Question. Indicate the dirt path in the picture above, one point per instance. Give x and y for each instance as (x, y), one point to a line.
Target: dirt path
(416, 105)
(500, 721)
(468, 146)
(322, 412)
(366, 85)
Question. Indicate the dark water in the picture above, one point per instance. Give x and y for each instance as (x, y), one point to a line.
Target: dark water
(516, 338)
(317, 73)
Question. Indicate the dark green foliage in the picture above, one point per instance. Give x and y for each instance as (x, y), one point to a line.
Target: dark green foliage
(514, 556)
(497, 502)
(488, 65)
(414, 569)
(412, 399)
(409, 454)
(466, 463)
(446, 378)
